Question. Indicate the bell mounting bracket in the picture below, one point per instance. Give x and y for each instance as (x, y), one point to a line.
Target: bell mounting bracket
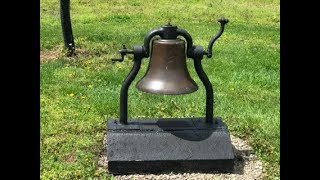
(195, 52)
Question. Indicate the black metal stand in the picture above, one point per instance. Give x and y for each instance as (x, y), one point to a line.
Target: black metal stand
(133, 73)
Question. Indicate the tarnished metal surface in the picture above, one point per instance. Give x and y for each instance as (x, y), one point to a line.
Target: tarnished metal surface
(167, 72)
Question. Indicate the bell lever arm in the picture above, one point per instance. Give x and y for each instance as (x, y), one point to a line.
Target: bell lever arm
(223, 21)
(197, 53)
(124, 51)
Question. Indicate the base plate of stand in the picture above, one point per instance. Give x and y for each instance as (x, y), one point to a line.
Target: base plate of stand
(168, 145)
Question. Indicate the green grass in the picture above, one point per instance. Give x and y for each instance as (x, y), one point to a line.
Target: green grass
(79, 94)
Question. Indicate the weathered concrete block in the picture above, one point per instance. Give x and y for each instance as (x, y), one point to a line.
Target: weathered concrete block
(168, 144)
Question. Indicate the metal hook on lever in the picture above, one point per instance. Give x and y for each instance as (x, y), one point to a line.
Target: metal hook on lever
(124, 51)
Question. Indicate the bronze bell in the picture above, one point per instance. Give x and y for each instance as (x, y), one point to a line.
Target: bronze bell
(167, 72)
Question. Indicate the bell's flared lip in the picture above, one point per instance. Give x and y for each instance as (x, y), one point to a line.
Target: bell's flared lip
(156, 87)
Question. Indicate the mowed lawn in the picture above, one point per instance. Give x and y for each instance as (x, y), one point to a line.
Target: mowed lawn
(79, 94)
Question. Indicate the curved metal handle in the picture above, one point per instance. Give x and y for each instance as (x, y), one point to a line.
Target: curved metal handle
(148, 38)
(223, 21)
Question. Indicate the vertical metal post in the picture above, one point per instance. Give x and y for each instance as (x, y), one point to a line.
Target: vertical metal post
(209, 90)
(124, 90)
(66, 27)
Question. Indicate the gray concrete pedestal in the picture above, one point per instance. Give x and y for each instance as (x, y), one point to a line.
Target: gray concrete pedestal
(168, 145)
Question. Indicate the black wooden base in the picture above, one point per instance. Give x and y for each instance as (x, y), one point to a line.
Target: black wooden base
(168, 145)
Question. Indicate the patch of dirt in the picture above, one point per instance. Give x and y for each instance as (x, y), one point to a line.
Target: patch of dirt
(58, 52)
(247, 167)
(51, 54)
(70, 158)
